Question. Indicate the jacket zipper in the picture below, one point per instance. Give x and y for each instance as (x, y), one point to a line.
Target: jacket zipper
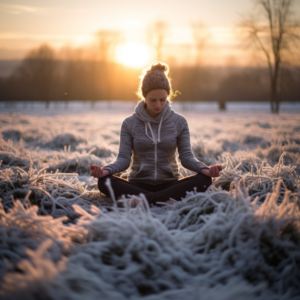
(155, 166)
(155, 142)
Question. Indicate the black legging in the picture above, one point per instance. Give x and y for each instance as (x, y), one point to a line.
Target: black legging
(156, 193)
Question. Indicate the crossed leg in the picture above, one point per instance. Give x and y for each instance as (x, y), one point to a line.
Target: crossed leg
(156, 193)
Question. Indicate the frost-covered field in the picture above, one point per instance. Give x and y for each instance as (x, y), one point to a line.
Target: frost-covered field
(62, 240)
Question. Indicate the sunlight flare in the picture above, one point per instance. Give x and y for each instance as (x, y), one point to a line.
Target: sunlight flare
(133, 55)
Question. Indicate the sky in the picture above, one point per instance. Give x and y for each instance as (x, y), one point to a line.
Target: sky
(27, 24)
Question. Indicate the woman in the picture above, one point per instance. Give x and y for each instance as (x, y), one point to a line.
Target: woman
(150, 137)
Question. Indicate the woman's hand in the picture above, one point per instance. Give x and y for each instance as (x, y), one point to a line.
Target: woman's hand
(213, 171)
(98, 172)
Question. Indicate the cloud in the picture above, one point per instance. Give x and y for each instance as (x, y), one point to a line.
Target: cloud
(16, 9)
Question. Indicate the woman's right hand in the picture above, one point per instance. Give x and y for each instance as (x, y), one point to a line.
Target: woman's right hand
(213, 171)
(98, 172)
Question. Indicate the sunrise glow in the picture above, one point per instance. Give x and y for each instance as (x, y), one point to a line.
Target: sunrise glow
(133, 55)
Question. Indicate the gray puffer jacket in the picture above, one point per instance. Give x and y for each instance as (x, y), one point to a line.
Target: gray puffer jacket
(153, 143)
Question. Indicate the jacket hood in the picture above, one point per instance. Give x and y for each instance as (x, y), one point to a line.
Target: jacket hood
(142, 115)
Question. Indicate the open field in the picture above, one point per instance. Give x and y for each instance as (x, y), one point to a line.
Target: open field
(62, 240)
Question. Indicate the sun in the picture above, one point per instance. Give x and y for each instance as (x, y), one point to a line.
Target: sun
(133, 55)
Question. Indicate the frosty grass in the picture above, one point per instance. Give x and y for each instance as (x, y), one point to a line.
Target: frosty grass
(59, 239)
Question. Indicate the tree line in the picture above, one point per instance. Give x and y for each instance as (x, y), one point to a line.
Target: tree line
(42, 77)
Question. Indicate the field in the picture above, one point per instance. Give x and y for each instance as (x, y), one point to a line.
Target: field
(61, 239)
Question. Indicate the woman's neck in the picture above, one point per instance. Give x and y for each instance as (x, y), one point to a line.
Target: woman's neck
(151, 113)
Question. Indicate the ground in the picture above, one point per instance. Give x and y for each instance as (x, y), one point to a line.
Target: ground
(60, 238)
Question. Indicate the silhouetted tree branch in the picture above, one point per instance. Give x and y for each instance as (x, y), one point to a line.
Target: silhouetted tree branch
(107, 41)
(275, 37)
(71, 59)
(201, 36)
(38, 67)
(156, 34)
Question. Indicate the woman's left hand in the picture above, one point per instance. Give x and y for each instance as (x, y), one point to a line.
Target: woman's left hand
(213, 171)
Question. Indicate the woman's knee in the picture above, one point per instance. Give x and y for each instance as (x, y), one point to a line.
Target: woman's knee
(206, 180)
(102, 181)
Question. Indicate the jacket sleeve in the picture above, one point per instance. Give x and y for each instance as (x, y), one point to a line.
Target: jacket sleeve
(186, 155)
(125, 151)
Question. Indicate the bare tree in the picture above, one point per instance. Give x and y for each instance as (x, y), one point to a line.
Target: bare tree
(156, 34)
(107, 41)
(201, 35)
(72, 59)
(276, 38)
(38, 67)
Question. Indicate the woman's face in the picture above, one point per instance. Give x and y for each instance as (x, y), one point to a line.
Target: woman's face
(156, 101)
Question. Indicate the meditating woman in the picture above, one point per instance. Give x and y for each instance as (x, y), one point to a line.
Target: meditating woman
(150, 138)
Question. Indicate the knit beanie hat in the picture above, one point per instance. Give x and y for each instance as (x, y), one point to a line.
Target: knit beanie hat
(155, 79)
